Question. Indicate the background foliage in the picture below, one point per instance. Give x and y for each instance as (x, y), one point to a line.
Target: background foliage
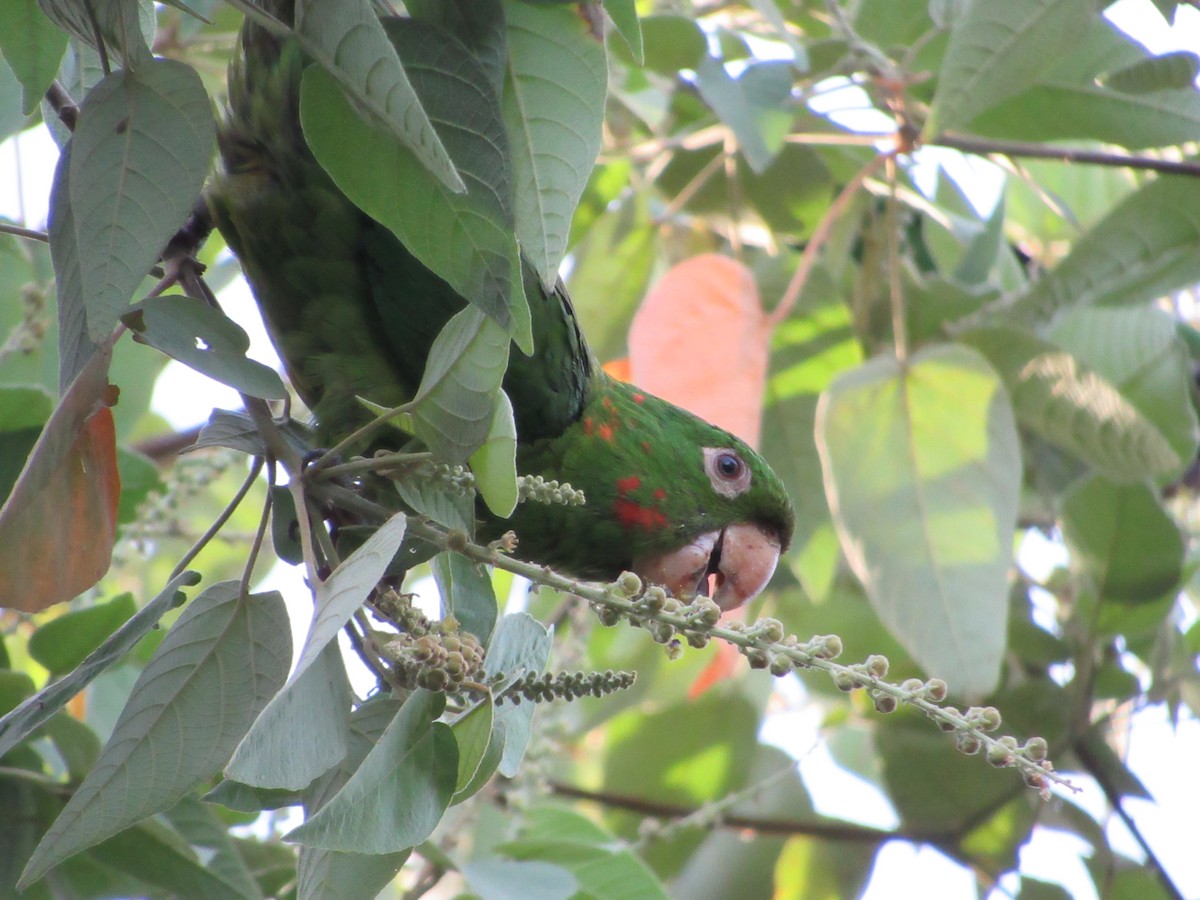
(947, 378)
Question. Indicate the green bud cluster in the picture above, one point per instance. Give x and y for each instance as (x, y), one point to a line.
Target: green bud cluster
(541, 490)
(438, 656)
(567, 686)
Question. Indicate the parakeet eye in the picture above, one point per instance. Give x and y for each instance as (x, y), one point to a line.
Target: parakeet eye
(727, 471)
(729, 465)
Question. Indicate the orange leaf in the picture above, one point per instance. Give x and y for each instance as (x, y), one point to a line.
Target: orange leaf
(700, 340)
(58, 525)
(720, 667)
(619, 369)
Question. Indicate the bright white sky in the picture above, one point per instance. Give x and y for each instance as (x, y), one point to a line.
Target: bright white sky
(1164, 757)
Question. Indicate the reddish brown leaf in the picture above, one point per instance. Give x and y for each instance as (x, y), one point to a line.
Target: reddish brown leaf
(700, 340)
(58, 525)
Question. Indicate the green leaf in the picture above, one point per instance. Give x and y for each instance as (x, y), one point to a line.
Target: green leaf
(455, 403)
(200, 827)
(23, 412)
(672, 43)
(327, 873)
(139, 156)
(351, 44)
(1108, 89)
(923, 469)
(613, 267)
(519, 646)
(62, 644)
(32, 47)
(1140, 351)
(755, 105)
(1176, 70)
(625, 16)
(343, 592)
(1075, 408)
(124, 27)
(494, 464)
(1121, 540)
(302, 732)
(997, 50)
(602, 866)
(205, 339)
(553, 111)
(75, 348)
(398, 795)
(226, 655)
(500, 879)
(473, 734)
(466, 239)
(1147, 246)
(18, 724)
(157, 857)
(467, 594)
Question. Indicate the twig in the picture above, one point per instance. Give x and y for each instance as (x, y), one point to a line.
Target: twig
(220, 521)
(30, 233)
(828, 829)
(985, 146)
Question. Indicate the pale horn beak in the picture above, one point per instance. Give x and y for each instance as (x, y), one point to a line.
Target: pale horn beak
(742, 559)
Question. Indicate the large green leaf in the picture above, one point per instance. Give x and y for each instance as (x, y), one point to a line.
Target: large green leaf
(340, 595)
(18, 724)
(302, 732)
(323, 873)
(602, 866)
(350, 42)
(553, 110)
(1072, 406)
(1109, 89)
(997, 50)
(140, 153)
(221, 662)
(458, 394)
(203, 338)
(1121, 540)
(63, 643)
(755, 105)
(923, 470)
(1147, 245)
(1139, 351)
(467, 239)
(32, 47)
(398, 795)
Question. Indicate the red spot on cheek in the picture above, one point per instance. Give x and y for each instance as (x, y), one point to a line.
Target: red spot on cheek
(639, 398)
(632, 515)
(660, 493)
(625, 485)
(606, 432)
(645, 446)
(588, 426)
(607, 401)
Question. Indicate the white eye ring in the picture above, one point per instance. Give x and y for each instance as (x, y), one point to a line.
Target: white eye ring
(727, 471)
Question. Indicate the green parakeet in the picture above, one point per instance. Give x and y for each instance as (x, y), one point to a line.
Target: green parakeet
(353, 312)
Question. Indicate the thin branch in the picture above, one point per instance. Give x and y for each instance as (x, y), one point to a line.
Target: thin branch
(828, 829)
(220, 521)
(259, 534)
(62, 104)
(30, 233)
(985, 146)
(819, 236)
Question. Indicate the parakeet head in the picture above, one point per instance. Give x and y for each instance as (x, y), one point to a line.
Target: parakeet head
(680, 502)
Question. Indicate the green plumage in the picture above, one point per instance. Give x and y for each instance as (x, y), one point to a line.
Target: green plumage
(352, 312)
